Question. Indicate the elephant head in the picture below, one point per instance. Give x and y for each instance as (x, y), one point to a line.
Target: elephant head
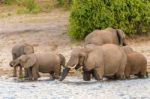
(78, 58)
(14, 63)
(28, 49)
(121, 37)
(27, 61)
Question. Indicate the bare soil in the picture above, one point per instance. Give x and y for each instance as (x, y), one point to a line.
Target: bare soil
(47, 32)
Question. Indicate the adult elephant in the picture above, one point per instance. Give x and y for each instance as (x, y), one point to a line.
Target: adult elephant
(106, 36)
(17, 51)
(106, 60)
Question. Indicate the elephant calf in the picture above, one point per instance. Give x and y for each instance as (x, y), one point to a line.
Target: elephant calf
(42, 62)
(136, 63)
(17, 51)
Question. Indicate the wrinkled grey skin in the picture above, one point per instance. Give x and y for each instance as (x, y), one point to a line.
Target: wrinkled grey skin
(136, 63)
(106, 60)
(17, 51)
(106, 36)
(42, 62)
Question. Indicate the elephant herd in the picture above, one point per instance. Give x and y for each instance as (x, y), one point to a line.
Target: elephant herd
(104, 54)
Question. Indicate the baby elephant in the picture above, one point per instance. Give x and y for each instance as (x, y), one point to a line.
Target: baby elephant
(136, 63)
(17, 51)
(43, 62)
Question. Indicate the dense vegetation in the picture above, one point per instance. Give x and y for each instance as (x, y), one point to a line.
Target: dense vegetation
(132, 16)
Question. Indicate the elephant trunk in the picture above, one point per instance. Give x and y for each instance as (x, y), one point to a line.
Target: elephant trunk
(64, 73)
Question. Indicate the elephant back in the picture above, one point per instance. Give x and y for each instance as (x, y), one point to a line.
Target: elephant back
(100, 37)
(128, 49)
(21, 49)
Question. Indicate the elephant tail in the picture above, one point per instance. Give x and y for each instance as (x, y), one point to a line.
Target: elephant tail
(121, 37)
(62, 60)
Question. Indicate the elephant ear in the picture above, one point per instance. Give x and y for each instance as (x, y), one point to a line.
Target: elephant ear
(28, 49)
(121, 36)
(84, 55)
(30, 61)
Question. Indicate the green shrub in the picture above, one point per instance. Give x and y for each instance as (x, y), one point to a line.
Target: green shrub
(132, 16)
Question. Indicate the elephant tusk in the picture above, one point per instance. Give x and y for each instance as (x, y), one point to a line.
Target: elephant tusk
(72, 67)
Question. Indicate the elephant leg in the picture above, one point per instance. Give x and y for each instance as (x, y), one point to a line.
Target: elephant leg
(52, 75)
(57, 72)
(140, 75)
(34, 73)
(99, 73)
(94, 74)
(38, 75)
(86, 75)
(127, 72)
(15, 72)
(143, 72)
(121, 73)
(20, 71)
(121, 76)
(127, 76)
(28, 73)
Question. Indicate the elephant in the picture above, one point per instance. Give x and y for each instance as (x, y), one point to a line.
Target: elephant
(128, 49)
(101, 61)
(136, 64)
(42, 62)
(106, 36)
(17, 51)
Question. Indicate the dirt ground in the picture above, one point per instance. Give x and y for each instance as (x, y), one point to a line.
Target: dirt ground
(47, 32)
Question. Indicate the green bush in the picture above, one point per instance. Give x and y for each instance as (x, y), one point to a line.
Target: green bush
(132, 16)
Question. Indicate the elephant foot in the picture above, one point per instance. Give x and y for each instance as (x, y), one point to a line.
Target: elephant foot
(28, 78)
(96, 76)
(57, 77)
(141, 76)
(52, 79)
(35, 79)
(86, 75)
(147, 74)
(121, 77)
